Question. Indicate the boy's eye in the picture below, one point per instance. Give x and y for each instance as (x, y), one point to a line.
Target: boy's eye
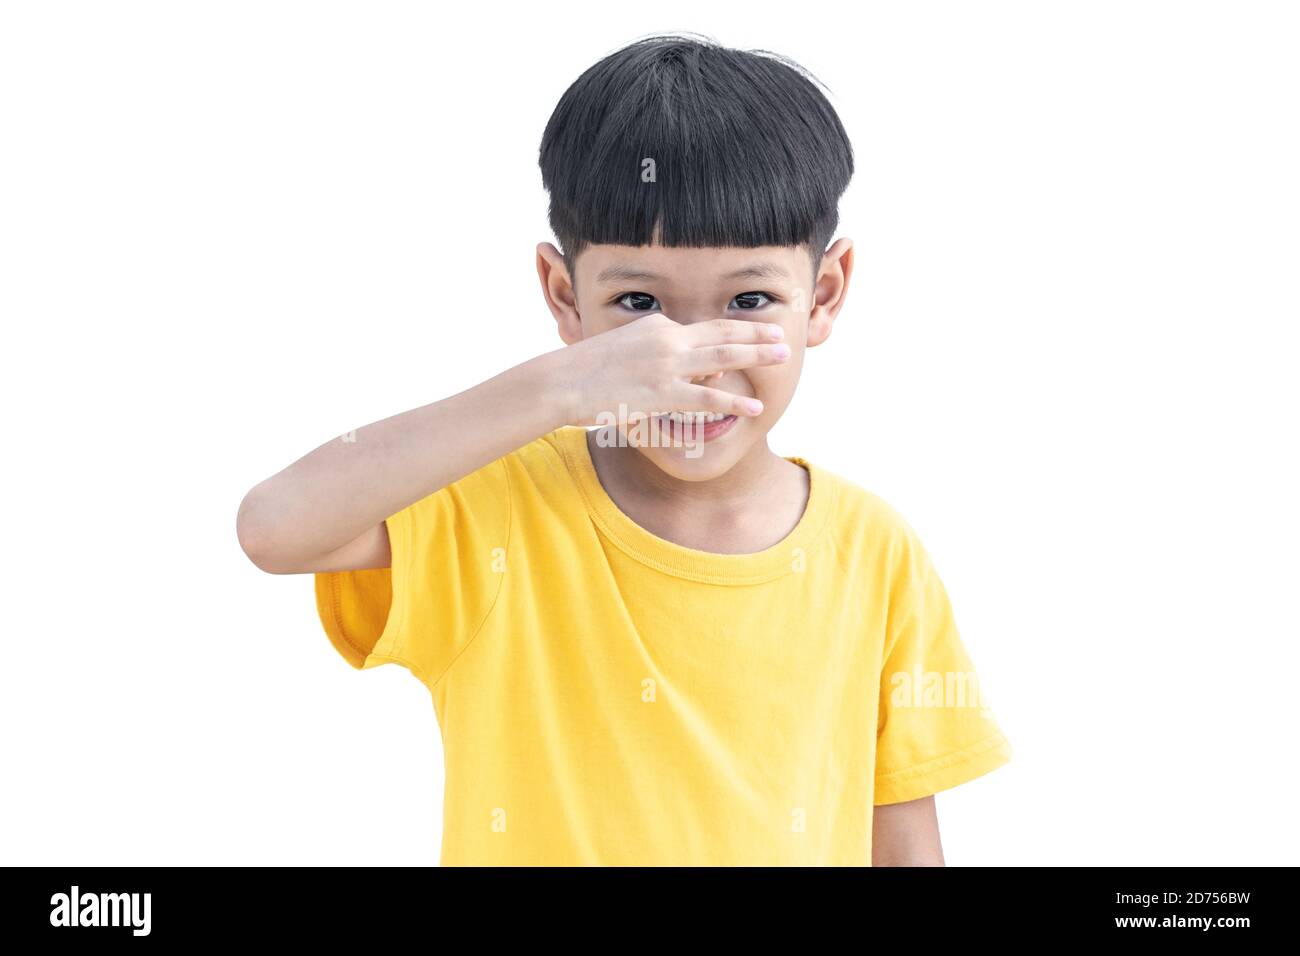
(639, 302)
(645, 302)
(751, 300)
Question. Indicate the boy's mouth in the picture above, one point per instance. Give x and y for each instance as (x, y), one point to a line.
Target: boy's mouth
(692, 418)
(695, 426)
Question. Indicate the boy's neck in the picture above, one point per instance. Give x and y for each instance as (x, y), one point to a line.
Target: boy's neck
(750, 508)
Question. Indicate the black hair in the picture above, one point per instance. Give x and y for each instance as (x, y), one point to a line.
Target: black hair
(744, 149)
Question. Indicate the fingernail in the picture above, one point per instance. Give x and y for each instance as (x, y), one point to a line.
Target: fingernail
(754, 405)
(775, 332)
(782, 351)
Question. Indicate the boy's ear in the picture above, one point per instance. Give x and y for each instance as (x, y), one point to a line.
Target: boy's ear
(558, 289)
(829, 290)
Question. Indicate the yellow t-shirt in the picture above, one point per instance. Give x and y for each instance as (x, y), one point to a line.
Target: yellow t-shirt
(608, 697)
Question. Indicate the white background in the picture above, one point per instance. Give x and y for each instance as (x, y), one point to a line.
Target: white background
(231, 231)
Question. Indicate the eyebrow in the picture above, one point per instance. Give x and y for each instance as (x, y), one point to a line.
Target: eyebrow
(755, 270)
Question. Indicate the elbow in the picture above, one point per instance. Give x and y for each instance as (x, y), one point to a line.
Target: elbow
(253, 534)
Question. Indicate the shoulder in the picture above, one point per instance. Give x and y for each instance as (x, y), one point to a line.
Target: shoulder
(541, 475)
(866, 524)
(540, 464)
(490, 492)
(547, 462)
(494, 504)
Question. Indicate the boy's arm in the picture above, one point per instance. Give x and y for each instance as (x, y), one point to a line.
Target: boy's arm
(326, 511)
(906, 834)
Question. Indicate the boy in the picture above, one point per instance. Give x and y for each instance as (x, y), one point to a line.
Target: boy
(656, 642)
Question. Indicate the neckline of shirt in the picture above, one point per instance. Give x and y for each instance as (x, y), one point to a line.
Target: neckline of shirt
(669, 557)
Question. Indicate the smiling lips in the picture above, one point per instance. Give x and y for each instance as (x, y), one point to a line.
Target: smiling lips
(698, 418)
(703, 426)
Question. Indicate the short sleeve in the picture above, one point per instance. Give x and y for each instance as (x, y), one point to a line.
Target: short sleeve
(935, 728)
(448, 563)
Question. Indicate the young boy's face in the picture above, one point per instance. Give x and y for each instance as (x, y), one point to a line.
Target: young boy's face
(619, 284)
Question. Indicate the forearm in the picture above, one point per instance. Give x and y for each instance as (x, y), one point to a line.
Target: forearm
(350, 484)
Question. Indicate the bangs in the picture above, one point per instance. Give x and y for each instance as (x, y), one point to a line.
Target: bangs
(677, 141)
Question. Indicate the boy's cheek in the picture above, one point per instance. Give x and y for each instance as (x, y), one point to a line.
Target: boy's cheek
(774, 384)
(794, 320)
(595, 321)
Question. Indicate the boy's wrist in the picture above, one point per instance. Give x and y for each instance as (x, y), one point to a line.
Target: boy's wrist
(551, 389)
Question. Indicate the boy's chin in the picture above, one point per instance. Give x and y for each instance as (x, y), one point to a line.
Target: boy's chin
(695, 461)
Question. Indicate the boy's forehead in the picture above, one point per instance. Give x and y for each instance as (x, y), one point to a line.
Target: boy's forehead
(606, 264)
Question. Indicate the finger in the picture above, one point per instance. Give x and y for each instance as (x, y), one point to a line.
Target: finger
(720, 331)
(717, 358)
(701, 398)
